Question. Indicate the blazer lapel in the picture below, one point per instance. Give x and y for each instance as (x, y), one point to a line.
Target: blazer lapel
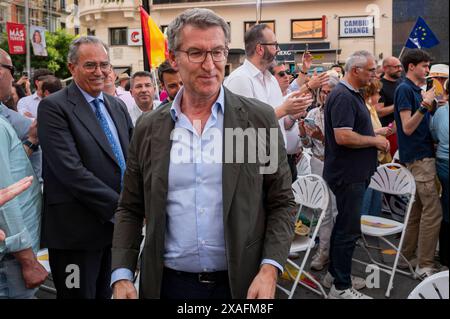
(161, 145)
(235, 116)
(84, 112)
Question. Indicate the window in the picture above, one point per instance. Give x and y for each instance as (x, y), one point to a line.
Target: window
(249, 24)
(308, 29)
(77, 30)
(90, 32)
(118, 36)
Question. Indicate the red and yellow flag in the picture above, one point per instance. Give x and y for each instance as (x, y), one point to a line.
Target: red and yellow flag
(154, 40)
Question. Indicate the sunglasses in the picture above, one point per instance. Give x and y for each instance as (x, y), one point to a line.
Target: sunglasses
(11, 68)
(283, 73)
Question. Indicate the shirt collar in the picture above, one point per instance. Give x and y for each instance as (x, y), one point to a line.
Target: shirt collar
(413, 85)
(35, 96)
(219, 104)
(349, 86)
(254, 71)
(3, 110)
(89, 98)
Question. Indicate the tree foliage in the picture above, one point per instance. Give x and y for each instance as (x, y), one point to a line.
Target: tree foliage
(57, 47)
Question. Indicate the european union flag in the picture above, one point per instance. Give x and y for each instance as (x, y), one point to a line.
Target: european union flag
(421, 36)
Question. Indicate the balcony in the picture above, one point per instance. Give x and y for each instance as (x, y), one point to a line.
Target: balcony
(92, 10)
(184, 4)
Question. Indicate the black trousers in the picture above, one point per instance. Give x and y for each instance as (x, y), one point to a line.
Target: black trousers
(81, 274)
(293, 166)
(183, 285)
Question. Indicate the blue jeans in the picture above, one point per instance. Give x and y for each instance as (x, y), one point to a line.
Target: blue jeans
(12, 285)
(371, 203)
(346, 231)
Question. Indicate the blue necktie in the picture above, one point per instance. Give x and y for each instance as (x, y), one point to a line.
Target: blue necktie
(112, 141)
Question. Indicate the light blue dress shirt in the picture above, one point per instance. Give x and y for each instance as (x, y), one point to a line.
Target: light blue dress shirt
(20, 218)
(194, 239)
(440, 131)
(21, 125)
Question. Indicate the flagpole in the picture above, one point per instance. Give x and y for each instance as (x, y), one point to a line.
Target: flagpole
(27, 39)
(401, 52)
(146, 6)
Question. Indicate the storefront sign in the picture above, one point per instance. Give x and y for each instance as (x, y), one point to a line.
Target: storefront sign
(356, 27)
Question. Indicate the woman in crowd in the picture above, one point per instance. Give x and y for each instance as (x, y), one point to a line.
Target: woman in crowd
(440, 132)
(17, 92)
(373, 199)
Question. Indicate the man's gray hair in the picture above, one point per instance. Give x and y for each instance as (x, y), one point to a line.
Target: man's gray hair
(252, 37)
(358, 59)
(72, 56)
(200, 18)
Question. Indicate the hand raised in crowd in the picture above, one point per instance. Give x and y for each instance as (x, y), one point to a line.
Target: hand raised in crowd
(317, 81)
(8, 193)
(382, 143)
(307, 60)
(297, 103)
(33, 273)
(429, 96)
(314, 132)
(2, 235)
(124, 289)
(26, 83)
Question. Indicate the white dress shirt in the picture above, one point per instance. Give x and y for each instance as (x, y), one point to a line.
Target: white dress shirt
(135, 112)
(29, 104)
(247, 80)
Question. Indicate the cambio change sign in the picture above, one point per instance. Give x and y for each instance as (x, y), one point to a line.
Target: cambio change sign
(356, 27)
(16, 38)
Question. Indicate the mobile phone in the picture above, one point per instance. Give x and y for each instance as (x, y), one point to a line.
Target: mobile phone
(429, 84)
(307, 47)
(25, 73)
(310, 122)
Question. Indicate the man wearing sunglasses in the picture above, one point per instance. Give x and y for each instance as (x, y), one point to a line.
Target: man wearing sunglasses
(20, 218)
(281, 73)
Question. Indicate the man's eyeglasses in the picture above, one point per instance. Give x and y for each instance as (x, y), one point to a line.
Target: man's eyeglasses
(199, 56)
(395, 66)
(283, 73)
(272, 43)
(11, 68)
(91, 66)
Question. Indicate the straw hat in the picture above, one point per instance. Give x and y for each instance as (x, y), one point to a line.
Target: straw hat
(123, 76)
(438, 71)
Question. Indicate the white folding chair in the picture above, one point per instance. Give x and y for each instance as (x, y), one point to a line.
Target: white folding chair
(304, 164)
(397, 180)
(309, 191)
(433, 287)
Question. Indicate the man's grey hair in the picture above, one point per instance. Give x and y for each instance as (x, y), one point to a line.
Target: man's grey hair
(252, 37)
(200, 18)
(72, 56)
(140, 74)
(358, 59)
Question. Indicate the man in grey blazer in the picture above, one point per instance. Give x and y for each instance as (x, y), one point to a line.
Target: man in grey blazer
(84, 135)
(219, 218)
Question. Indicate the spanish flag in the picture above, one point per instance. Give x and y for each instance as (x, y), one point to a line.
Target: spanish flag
(154, 40)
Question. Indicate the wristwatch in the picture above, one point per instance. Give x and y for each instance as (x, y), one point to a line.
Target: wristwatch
(423, 109)
(305, 73)
(33, 147)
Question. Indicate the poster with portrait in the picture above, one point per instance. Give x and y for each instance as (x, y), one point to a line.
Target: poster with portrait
(37, 37)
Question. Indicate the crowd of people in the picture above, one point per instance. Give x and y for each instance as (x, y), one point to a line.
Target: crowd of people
(112, 180)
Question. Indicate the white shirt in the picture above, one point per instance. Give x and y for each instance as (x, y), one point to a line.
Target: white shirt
(249, 81)
(135, 111)
(29, 104)
(126, 97)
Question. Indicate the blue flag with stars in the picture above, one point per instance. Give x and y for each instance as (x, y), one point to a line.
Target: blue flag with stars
(421, 36)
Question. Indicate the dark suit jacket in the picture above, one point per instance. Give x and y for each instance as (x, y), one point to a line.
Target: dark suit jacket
(81, 174)
(257, 209)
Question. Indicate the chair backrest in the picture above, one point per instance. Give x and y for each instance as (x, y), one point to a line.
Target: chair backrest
(311, 191)
(304, 165)
(433, 287)
(393, 179)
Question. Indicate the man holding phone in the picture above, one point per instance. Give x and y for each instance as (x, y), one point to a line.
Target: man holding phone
(413, 109)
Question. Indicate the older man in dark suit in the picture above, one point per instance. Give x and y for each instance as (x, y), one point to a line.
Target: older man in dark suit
(218, 225)
(84, 135)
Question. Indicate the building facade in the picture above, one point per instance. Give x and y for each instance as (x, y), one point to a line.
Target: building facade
(298, 24)
(50, 14)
